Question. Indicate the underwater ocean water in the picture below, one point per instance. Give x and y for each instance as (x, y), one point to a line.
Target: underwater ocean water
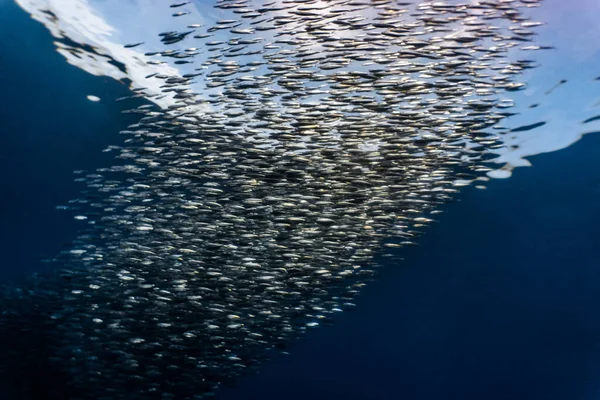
(291, 199)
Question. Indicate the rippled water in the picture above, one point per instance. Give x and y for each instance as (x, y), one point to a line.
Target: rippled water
(497, 300)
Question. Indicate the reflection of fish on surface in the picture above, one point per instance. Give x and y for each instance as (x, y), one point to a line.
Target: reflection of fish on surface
(229, 232)
(88, 42)
(591, 119)
(561, 82)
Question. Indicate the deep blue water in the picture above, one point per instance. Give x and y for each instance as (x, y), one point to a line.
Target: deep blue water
(499, 301)
(49, 129)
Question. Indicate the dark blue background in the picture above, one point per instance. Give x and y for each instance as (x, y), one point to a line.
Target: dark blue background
(48, 129)
(499, 301)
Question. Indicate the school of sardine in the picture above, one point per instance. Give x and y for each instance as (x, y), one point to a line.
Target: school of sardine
(332, 130)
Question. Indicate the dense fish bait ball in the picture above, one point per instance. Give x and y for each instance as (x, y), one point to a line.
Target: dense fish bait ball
(303, 137)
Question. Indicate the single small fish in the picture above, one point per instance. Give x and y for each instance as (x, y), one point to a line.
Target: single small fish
(130, 46)
(525, 128)
(175, 5)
